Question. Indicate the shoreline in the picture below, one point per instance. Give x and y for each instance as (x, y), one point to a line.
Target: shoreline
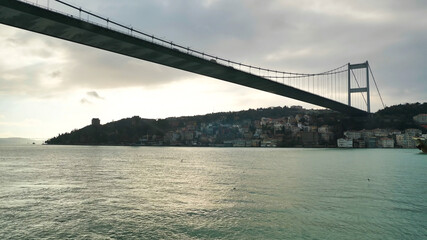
(189, 146)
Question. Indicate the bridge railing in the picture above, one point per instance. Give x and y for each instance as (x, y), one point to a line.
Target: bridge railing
(273, 75)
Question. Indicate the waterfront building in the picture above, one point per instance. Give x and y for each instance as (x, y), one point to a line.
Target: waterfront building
(310, 138)
(371, 142)
(239, 143)
(345, 143)
(327, 137)
(227, 143)
(412, 132)
(379, 132)
(353, 134)
(401, 140)
(359, 143)
(256, 143)
(405, 141)
(386, 142)
(366, 134)
(394, 132)
(268, 143)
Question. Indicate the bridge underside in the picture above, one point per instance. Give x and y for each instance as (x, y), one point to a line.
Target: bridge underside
(21, 15)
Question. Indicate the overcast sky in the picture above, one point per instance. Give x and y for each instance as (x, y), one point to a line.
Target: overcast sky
(49, 86)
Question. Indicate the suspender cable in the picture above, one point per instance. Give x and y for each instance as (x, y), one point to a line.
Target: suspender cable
(372, 74)
(358, 85)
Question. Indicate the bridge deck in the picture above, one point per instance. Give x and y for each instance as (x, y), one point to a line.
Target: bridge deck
(29, 17)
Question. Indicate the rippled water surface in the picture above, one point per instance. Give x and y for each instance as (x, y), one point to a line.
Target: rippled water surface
(76, 192)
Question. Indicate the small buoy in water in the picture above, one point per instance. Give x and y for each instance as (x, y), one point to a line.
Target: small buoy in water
(234, 188)
(369, 179)
(182, 160)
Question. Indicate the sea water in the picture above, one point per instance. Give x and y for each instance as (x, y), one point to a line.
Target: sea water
(92, 192)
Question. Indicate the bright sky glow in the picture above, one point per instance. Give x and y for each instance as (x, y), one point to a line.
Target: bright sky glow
(49, 86)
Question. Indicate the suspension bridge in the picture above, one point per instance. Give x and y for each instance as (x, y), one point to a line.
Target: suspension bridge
(345, 89)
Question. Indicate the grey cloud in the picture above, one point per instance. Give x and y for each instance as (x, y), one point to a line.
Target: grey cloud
(302, 35)
(42, 53)
(92, 68)
(94, 94)
(19, 81)
(55, 74)
(85, 101)
(83, 67)
(31, 76)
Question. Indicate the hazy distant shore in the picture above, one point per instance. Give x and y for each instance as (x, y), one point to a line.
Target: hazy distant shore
(20, 141)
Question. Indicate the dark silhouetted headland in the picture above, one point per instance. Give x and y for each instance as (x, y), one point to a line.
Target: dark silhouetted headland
(269, 127)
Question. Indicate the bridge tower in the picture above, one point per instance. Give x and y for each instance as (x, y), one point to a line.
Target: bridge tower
(359, 89)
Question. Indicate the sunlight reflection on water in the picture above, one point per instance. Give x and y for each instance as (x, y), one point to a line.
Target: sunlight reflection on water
(211, 193)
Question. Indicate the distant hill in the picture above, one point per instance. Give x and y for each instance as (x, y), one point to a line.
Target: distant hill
(123, 132)
(398, 116)
(130, 131)
(408, 109)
